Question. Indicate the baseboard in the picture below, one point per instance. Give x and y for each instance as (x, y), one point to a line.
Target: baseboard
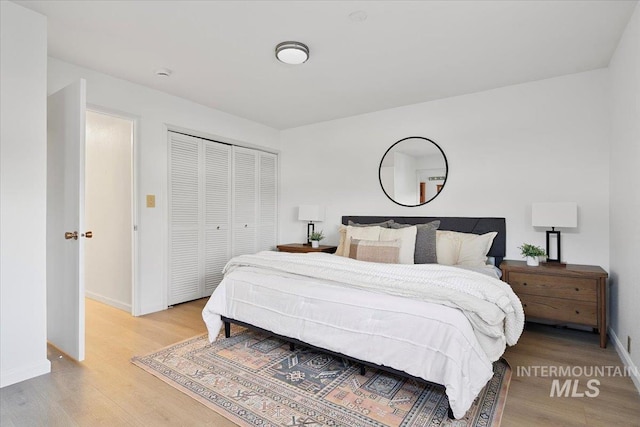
(109, 301)
(151, 309)
(624, 356)
(16, 375)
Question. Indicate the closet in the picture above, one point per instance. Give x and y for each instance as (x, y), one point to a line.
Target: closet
(222, 203)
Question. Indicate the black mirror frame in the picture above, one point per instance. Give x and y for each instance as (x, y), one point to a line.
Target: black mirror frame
(446, 175)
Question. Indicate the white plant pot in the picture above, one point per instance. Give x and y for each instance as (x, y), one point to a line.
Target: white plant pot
(533, 261)
(315, 243)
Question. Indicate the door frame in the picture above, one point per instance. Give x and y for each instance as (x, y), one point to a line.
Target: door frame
(135, 213)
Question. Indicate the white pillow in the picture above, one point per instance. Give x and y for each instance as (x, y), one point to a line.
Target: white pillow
(447, 248)
(407, 237)
(360, 233)
(454, 248)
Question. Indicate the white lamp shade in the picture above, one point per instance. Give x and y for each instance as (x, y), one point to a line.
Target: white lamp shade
(559, 214)
(310, 213)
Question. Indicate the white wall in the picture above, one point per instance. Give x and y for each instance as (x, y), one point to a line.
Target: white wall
(509, 147)
(108, 189)
(154, 110)
(23, 192)
(404, 179)
(625, 196)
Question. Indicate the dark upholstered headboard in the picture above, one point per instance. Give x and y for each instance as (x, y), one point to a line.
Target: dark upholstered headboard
(462, 224)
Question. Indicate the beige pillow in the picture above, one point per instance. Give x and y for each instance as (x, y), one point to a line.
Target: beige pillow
(342, 230)
(447, 247)
(375, 250)
(454, 248)
(361, 233)
(407, 237)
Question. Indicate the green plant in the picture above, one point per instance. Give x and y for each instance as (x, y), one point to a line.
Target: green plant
(531, 250)
(316, 235)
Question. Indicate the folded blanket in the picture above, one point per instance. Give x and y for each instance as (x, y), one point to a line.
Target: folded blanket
(493, 309)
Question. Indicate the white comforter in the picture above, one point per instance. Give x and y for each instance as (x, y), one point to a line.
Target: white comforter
(491, 306)
(361, 309)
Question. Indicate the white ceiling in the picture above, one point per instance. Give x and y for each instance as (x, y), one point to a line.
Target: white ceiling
(222, 52)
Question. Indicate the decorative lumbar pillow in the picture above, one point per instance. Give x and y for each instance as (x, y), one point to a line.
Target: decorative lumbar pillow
(385, 224)
(407, 237)
(342, 243)
(375, 250)
(425, 251)
(454, 248)
(362, 233)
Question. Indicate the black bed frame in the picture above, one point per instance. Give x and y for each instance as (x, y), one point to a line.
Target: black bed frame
(460, 224)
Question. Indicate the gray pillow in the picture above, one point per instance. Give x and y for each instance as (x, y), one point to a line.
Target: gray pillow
(425, 252)
(385, 224)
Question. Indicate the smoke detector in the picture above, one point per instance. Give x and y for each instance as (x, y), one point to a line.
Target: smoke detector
(163, 72)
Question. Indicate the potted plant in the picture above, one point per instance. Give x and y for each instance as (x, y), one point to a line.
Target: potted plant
(532, 252)
(315, 238)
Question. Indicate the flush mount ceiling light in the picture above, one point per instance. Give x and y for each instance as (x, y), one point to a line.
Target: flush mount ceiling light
(292, 52)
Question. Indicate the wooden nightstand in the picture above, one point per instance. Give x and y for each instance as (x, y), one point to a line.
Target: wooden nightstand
(300, 248)
(567, 293)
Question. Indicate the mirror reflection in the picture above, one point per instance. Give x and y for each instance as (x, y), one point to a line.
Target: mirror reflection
(413, 171)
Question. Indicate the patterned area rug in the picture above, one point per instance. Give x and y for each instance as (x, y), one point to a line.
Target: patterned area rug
(254, 379)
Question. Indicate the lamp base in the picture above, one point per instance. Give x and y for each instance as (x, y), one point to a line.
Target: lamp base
(554, 264)
(557, 246)
(310, 229)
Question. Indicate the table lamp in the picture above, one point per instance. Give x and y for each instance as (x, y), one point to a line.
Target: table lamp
(310, 213)
(557, 214)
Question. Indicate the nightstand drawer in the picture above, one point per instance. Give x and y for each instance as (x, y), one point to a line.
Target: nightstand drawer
(562, 310)
(574, 288)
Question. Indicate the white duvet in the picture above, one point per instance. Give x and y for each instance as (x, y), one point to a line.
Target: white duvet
(400, 316)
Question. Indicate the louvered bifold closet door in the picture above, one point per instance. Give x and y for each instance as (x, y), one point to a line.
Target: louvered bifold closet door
(184, 219)
(268, 202)
(244, 197)
(217, 212)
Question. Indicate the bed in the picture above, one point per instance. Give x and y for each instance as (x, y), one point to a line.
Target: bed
(453, 322)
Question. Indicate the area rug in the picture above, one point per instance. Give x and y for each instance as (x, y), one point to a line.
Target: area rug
(253, 379)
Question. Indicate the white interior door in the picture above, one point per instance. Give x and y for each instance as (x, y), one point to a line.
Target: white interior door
(245, 197)
(65, 218)
(184, 219)
(268, 202)
(217, 212)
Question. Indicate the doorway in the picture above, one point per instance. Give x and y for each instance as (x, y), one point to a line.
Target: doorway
(109, 209)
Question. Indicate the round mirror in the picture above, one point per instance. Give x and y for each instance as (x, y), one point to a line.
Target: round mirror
(413, 171)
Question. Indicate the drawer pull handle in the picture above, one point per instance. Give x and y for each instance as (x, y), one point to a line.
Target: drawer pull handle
(577, 312)
(524, 284)
(524, 305)
(577, 289)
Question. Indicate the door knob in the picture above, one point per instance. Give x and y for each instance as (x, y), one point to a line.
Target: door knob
(71, 235)
(88, 234)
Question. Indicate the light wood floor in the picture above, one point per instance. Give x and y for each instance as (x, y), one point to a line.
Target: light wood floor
(106, 389)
